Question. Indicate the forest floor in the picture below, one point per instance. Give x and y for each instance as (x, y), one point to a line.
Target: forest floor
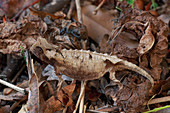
(87, 56)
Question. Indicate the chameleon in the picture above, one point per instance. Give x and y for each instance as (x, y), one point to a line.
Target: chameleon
(84, 64)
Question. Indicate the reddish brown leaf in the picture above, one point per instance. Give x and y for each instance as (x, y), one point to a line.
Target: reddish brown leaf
(139, 4)
(44, 14)
(53, 105)
(69, 89)
(63, 99)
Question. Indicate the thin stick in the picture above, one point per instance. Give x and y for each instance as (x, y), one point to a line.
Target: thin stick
(27, 6)
(21, 90)
(98, 7)
(79, 15)
(94, 111)
(18, 74)
(158, 100)
(65, 110)
(72, 5)
(85, 107)
(80, 96)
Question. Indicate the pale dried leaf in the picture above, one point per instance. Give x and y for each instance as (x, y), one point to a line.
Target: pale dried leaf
(147, 41)
(33, 99)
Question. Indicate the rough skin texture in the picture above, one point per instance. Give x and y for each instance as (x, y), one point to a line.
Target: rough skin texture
(84, 65)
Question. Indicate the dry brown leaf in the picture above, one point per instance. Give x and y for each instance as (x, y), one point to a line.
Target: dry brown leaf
(10, 97)
(139, 4)
(11, 47)
(11, 7)
(53, 105)
(133, 94)
(159, 100)
(69, 91)
(43, 104)
(44, 14)
(156, 42)
(97, 26)
(165, 87)
(154, 13)
(63, 99)
(147, 41)
(33, 104)
(5, 109)
(7, 28)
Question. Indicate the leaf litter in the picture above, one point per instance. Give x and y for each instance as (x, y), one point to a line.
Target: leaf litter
(138, 37)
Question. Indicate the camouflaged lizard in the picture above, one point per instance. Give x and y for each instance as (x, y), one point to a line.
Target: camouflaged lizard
(84, 65)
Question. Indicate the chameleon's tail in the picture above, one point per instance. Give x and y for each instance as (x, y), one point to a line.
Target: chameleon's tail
(139, 70)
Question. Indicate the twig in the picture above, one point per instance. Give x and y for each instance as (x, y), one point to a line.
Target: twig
(158, 100)
(94, 111)
(85, 107)
(65, 110)
(18, 102)
(80, 96)
(79, 15)
(72, 5)
(98, 7)
(18, 74)
(29, 64)
(83, 83)
(36, 1)
(13, 86)
(13, 65)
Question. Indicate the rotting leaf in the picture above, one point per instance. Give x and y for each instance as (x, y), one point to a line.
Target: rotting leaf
(147, 41)
(33, 99)
(132, 96)
(63, 99)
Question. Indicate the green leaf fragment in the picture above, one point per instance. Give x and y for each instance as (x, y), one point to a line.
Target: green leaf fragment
(23, 54)
(154, 5)
(157, 109)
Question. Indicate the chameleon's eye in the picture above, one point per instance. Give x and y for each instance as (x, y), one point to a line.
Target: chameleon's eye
(75, 34)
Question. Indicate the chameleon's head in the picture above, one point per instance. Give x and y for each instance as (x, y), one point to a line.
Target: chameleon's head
(49, 50)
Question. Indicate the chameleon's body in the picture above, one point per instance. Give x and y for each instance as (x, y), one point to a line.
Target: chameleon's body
(84, 65)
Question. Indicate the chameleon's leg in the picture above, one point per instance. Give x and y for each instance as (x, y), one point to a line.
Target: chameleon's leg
(114, 80)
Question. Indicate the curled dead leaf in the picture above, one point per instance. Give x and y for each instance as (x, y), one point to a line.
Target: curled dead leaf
(147, 41)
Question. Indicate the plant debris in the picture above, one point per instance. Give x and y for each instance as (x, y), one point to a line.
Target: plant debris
(114, 64)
